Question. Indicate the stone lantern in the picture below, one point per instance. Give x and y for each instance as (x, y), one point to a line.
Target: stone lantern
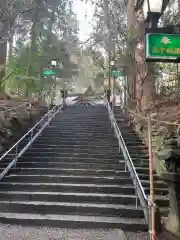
(170, 153)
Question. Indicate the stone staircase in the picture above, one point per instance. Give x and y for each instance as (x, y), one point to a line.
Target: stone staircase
(73, 176)
(139, 154)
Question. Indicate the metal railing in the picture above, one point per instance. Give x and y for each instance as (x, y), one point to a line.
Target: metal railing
(145, 203)
(18, 149)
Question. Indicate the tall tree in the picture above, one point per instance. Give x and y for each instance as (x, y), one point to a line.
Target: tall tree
(39, 32)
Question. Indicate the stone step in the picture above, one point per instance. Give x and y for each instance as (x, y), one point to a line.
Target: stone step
(67, 179)
(105, 184)
(79, 158)
(85, 145)
(72, 141)
(89, 128)
(77, 179)
(159, 191)
(86, 125)
(70, 154)
(70, 171)
(73, 221)
(131, 137)
(77, 145)
(100, 116)
(89, 116)
(77, 122)
(142, 170)
(129, 134)
(93, 135)
(146, 176)
(73, 159)
(161, 201)
(67, 187)
(125, 127)
(69, 196)
(73, 131)
(67, 165)
(76, 138)
(157, 184)
(80, 128)
(60, 208)
(76, 149)
(134, 154)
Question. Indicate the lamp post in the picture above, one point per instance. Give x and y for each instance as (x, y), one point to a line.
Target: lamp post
(113, 67)
(64, 91)
(53, 65)
(109, 85)
(152, 11)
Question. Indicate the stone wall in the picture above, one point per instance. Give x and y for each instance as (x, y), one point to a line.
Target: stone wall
(141, 127)
(14, 123)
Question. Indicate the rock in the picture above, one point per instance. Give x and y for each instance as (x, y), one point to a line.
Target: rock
(3, 141)
(1, 148)
(14, 123)
(139, 127)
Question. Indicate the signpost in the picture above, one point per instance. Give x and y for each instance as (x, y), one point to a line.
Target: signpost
(49, 72)
(163, 44)
(116, 73)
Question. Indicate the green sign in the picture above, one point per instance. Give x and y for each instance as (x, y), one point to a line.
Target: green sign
(49, 72)
(116, 73)
(163, 47)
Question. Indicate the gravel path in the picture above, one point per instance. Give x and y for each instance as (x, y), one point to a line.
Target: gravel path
(141, 236)
(137, 235)
(8, 232)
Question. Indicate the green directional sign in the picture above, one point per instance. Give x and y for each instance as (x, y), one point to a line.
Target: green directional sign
(49, 72)
(116, 73)
(162, 47)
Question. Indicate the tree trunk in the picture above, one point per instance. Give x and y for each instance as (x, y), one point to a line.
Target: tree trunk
(32, 48)
(131, 29)
(178, 1)
(3, 53)
(10, 50)
(144, 72)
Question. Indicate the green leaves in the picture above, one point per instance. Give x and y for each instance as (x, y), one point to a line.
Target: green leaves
(45, 30)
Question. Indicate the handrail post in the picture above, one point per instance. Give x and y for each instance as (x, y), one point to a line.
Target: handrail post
(152, 209)
(125, 167)
(136, 195)
(31, 136)
(16, 156)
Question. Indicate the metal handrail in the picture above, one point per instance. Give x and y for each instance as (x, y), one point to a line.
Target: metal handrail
(43, 123)
(140, 193)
